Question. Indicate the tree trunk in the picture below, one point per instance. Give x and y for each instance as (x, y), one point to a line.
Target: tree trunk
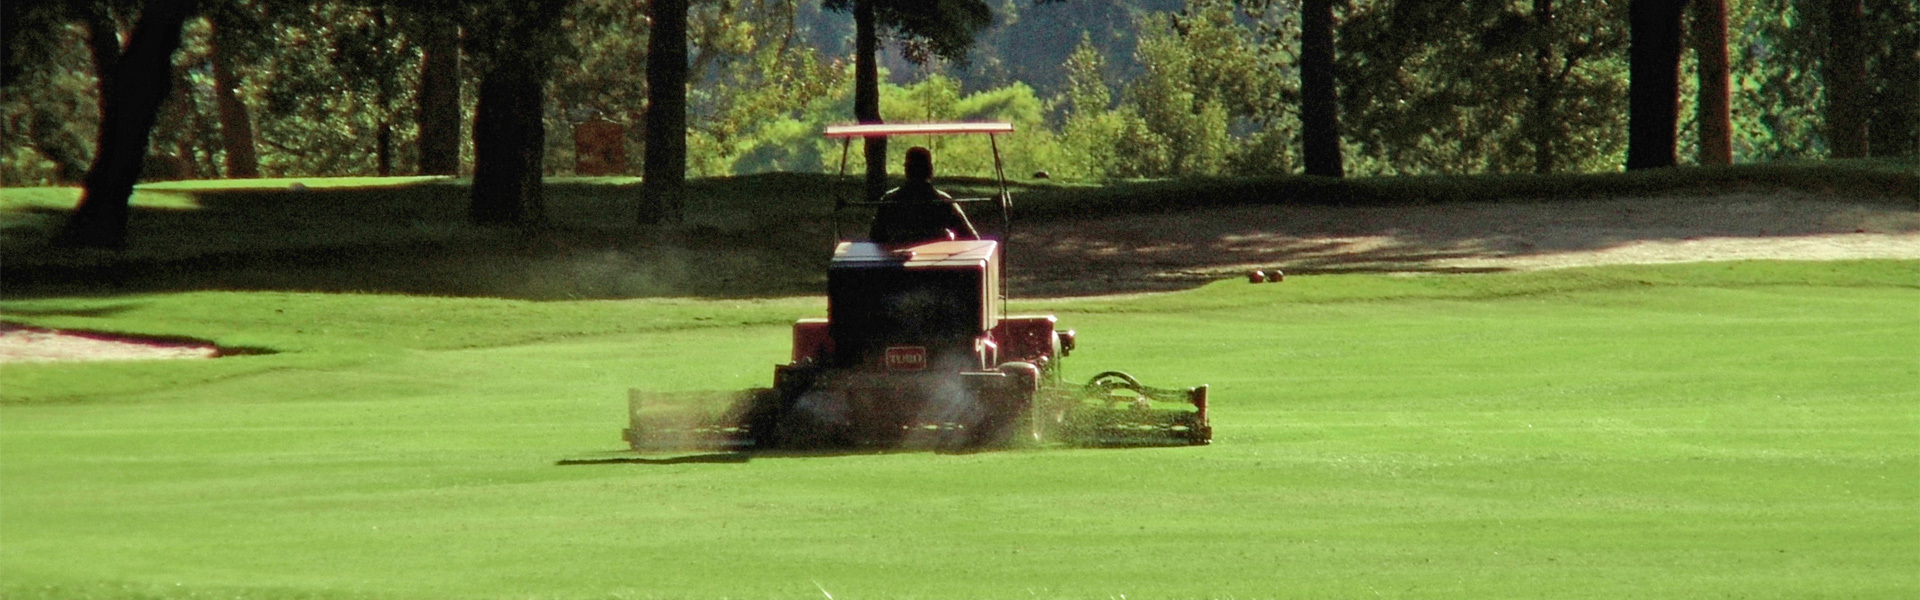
(1541, 124)
(866, 94)
(1319, 108)
(236, 127)
(1846, 80)
(664, 168)
(1653, 87)
(438, 112)
(135, 87)
(1711, 109)
(383, 101)
(103, 42)
(509, 143)
(383, 148)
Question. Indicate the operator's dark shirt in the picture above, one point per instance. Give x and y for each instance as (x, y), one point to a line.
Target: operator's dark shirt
(915, 212)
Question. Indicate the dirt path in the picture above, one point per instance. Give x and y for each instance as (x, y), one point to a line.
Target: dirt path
(1173, 251)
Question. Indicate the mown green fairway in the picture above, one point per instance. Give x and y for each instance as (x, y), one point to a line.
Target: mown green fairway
(1699, 431)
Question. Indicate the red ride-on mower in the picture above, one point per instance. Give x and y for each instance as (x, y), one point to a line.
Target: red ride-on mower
(917, 351)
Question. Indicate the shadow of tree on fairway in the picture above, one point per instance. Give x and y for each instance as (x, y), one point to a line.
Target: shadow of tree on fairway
(107, 310)
(771, 235)
(414, 239)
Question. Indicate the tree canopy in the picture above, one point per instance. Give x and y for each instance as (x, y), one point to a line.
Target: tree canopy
(1121, 88)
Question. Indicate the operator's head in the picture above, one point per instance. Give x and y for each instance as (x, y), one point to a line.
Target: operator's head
(919, 163)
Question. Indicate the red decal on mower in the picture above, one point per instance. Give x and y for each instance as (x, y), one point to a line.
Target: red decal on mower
(907, 358)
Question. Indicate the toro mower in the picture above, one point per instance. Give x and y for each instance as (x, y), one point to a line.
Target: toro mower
(917, 351)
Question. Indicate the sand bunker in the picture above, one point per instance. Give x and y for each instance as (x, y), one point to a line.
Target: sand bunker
(35, 345)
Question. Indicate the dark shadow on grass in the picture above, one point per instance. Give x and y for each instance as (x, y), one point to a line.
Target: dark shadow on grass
(545, 265)
(749, 455)
(694, 459)
(414, 239)
(98, 311)
(770, 235)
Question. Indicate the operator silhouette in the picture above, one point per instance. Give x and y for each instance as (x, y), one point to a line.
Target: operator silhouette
(915, 212)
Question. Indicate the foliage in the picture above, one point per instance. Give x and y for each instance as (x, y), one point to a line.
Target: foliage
(1089, 122)
(1123, 88)
(927, 28)
(1210, 98)
(1030, 41)
(1779, 46)
(600, 75)
(1031, 148)
(1444, 87)
(1187, 126)
(749, 76)
(1892, 70)
(51, 115)
(758, 82)
(320, 93)
(1776, 68)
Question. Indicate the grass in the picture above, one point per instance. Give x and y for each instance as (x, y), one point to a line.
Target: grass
(1711, 430)
(1715, 430)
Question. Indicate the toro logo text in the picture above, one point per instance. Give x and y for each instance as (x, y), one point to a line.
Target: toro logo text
(906, 358)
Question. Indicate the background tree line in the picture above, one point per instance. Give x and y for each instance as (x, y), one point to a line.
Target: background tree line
(1099, 88)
